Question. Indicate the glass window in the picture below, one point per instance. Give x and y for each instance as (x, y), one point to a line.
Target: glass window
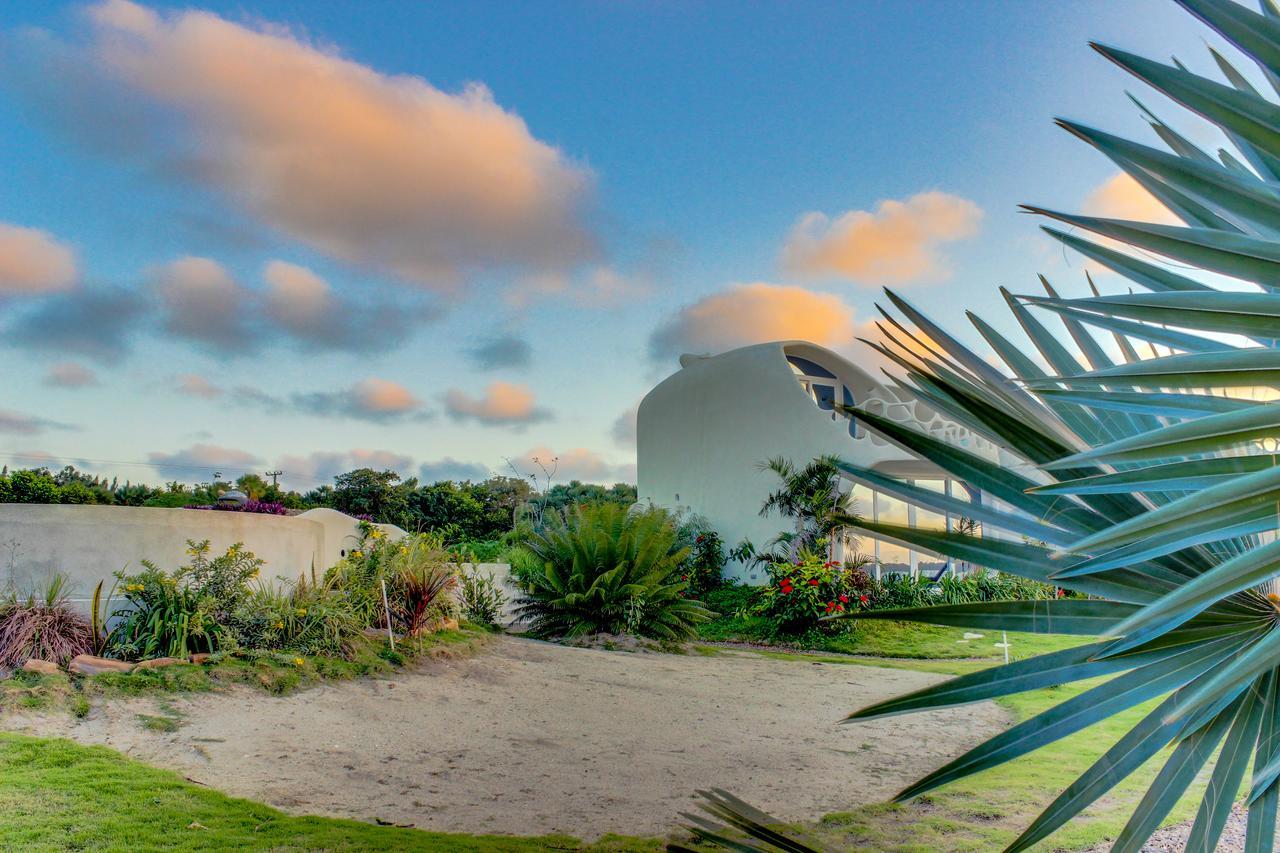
(825, 395)
(893, 558)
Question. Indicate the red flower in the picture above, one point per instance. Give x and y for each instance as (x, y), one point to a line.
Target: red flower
(863, 599)
(844, 598)
(840, 607)
(813, 581)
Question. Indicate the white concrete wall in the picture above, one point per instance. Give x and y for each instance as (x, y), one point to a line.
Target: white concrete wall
(703, 432)
(90, 543)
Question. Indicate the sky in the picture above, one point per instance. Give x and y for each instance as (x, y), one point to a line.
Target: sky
(312, 236)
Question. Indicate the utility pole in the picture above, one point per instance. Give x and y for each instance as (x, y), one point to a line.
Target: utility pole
(273, 475)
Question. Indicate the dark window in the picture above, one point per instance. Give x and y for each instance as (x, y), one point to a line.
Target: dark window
(809, 368)
(826, 396)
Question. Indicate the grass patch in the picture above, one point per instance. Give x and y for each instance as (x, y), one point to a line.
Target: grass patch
(276, 673)
(57, 795)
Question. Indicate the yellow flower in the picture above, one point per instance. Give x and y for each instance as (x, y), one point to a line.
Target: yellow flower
(356, 554)
(279, 626)
(302, 611)
(298, 661)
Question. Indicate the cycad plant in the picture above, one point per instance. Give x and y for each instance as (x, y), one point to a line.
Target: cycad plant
(601, 568)
(1147, 481)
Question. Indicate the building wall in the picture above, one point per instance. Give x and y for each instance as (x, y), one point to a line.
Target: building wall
(89, 543)
(703, 432)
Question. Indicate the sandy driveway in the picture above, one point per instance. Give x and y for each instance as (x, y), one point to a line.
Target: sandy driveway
(532, 738)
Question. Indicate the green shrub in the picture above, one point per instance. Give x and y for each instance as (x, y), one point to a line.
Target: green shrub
(417, 572)
(481, 598)
(800, 594)
(704, 567)
(163, 619)
(300, 617)
(603, 569)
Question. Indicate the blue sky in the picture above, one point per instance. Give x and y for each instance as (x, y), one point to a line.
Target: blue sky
(455, 276)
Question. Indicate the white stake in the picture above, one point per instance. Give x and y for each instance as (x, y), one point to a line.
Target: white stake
(391, 637)
(1004, 639)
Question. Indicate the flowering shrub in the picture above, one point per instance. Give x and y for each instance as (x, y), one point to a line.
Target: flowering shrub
(300, 617)
(263, 507)
(704, 566)
(419, 575)
(801, 593)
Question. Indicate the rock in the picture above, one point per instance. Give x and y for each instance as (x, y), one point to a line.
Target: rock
(90, 665)
(449, 625)
(44, 667)
(156, 663)
(200, 657)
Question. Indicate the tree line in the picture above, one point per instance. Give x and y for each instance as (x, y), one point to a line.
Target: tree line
(459, 510)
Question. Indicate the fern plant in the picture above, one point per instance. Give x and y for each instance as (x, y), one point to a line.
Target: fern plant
(603, 569)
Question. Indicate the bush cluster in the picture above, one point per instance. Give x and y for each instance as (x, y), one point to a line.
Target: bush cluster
(801, 595)
(219, 603)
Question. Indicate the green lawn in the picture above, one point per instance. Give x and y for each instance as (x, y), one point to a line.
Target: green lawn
(57, 795)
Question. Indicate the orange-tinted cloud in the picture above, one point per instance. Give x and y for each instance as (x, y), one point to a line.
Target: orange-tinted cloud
(896, 244)
(1121, 197)
(195, 385)
(501, 404)
(33, 261)
(750, 314)
(382, 170)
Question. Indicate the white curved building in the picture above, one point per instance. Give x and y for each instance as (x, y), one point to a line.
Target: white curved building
(703, 432)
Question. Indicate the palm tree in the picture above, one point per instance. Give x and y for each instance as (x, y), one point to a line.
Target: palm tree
(813, 497)
(1157, 493)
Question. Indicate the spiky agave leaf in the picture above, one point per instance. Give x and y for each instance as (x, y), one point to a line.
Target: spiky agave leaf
(1148, 482)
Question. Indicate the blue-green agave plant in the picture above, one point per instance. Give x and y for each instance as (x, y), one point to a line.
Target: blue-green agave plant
(1148, 483)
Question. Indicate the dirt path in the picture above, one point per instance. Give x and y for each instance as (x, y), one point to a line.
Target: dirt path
(532, 738)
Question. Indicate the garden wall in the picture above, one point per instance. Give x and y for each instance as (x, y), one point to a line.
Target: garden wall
(89, 543)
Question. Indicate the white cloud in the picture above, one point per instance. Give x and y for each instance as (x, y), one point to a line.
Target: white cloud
(195, 385)
(33, 261)
(69, 374)
(319, 468)
(371, 399)
(501, 404)
(380, 170)
(449, 468)
(575, 463)
(17, 423)
(201, 461)
(201, 302)
(624, 428)
(898, 243)
(754, 313)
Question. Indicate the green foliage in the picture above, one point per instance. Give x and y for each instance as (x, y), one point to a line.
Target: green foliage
(376, 494)
(481, 598)
(813, 496)
(703, 569)
(162, 619)
(418, 573)
(800, 594)
(46, 627)
(603, 569)
(221, 583)
(303, 618)
(1139, 499)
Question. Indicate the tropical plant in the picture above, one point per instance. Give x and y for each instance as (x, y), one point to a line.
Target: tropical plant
(704, 567)
(220, 583)
(1149, 484)
(1147, 479)
(603, 569)
(45, 627)
(162, 618)
(420, 594)
(811, 495)
(800, 594)
(299, 617)
(415, 572)
(481, 598)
